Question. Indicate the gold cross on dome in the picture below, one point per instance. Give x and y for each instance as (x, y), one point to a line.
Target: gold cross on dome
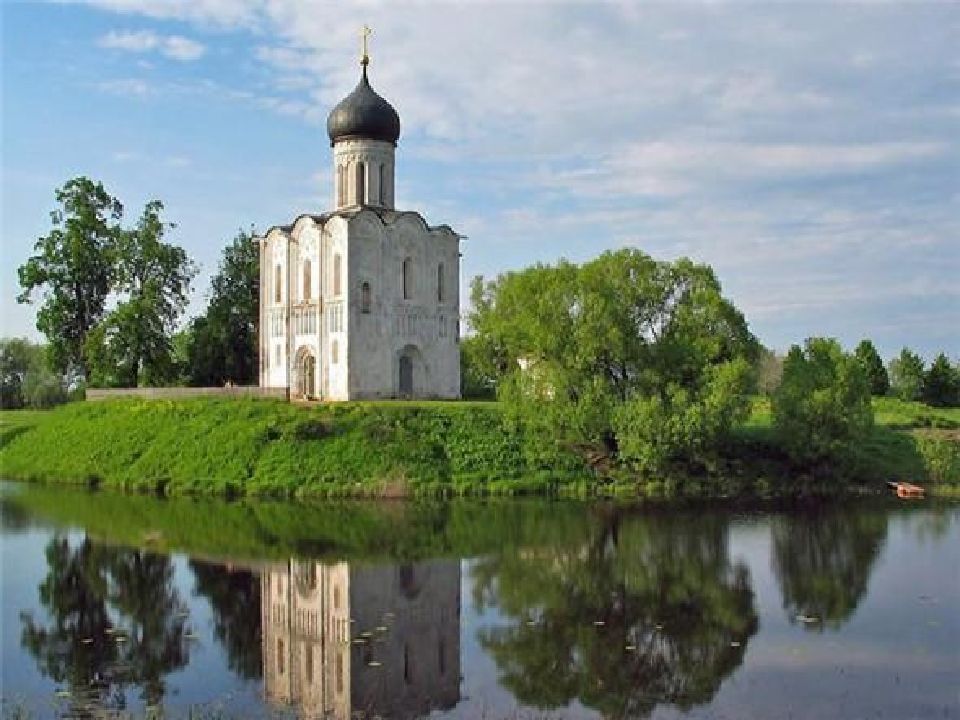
(365, 33)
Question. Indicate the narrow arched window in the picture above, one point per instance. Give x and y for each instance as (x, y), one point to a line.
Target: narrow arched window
(336, 274)
(334, 352)
(407, 279)
(361, 183)
(307, 279)
(365, 300)
(277, 284)
(440, 282)
(383, 184)
(340, 185)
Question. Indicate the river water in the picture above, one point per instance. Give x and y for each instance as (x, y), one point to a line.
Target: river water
(117, 605)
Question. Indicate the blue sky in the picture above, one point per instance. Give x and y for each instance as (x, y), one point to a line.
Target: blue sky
(808, 151)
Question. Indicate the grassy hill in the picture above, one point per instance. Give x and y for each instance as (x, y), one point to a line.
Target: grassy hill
(266, 448)
(239, 448)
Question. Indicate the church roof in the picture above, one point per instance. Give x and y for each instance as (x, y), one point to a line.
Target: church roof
(363, 114)
(386, 217)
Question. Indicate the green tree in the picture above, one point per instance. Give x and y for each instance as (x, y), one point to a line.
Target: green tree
(16, 356)
(133, 342)
(769, 371)
(73, 269)
(822, 410)
(877, 376)
(624, 355)
(26, 378)
(941, 383)
(906, 375)
(224, 340)
(477, 380)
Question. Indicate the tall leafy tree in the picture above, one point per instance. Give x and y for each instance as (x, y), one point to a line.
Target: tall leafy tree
(224, 340)
(941, 383)
(626, 355)
(73, 269)
(133, 342)
(26, 377)
(906, 375)
(769, 371)
(16, 357)
(822, 410)
(877, 376)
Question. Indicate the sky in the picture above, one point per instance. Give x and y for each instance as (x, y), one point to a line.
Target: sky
(807, 151)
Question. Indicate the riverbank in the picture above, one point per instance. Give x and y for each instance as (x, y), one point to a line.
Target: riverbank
(237, 448)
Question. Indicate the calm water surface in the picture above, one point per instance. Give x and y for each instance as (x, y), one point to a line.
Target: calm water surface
(130, 605)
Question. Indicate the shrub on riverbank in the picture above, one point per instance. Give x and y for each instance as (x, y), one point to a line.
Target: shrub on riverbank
(822, 410)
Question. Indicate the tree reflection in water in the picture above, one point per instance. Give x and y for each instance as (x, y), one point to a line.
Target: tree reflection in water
(234, 595)
(646, 610)
(822, 561)
(116, 620)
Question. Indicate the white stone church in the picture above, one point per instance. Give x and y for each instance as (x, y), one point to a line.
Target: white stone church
(363, 301)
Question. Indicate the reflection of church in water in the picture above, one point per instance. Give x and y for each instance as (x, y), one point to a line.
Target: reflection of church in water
(346, 640)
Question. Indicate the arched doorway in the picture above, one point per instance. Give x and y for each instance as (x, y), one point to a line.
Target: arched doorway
(306, 374)
(406, 376)
(408, 371)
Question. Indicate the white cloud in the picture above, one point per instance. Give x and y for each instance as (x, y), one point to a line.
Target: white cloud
(141, 41)
(175, 47)
(183, 49)
(134, 87)
(218, 12)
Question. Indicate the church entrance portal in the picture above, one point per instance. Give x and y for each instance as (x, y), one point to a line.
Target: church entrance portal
(307, 376)
(410, 370)
(406, 376)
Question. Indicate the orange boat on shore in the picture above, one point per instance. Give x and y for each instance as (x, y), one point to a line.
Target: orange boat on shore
(905, 490)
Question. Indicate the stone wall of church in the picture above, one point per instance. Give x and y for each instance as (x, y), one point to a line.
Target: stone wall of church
(400, 306)
(275, 308)
(364, 306)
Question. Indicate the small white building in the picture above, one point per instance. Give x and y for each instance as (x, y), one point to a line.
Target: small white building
(363, 301)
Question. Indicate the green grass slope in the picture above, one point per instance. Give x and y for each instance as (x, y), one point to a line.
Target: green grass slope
(235, 448)
(263, 448)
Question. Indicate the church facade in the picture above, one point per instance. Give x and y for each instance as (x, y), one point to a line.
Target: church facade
(362, 301)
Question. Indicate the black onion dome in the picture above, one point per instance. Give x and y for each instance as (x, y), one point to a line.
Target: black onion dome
(363, 114)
